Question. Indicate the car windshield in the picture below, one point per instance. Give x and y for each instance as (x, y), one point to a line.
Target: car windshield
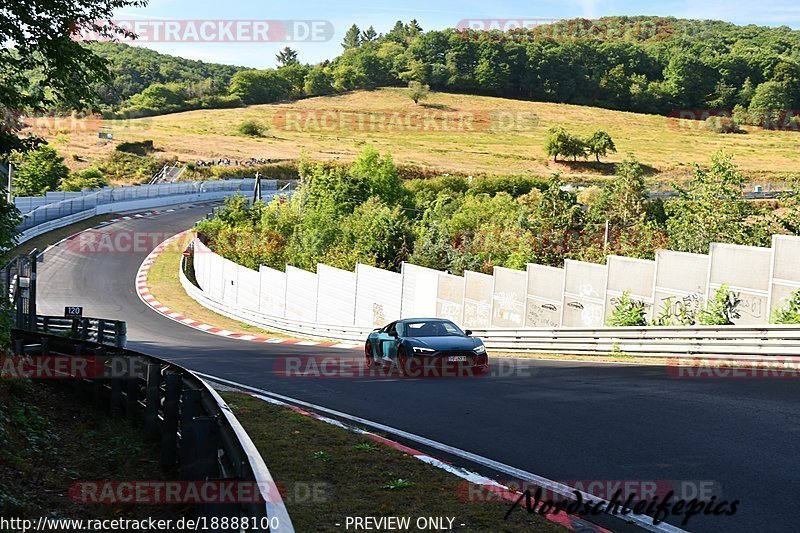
(432, 328)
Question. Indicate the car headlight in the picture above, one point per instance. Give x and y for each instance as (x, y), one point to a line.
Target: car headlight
(479, 349)
(420, 350)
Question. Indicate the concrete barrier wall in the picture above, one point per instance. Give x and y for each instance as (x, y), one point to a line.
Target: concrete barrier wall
(584, 294)
(785, 270)
(544, 301)
(746, 271)
(626, 274)
(579, 295)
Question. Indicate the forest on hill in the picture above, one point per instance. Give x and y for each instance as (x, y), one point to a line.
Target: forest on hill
(643, 64)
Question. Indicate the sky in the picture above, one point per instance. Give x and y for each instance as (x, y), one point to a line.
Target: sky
(334, 18)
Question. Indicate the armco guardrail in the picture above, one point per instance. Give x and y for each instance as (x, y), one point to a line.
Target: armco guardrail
(75, 208)
(197, 431)
(101, 331)
(745, 342)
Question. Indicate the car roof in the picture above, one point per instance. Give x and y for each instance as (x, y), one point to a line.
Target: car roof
(424, 319)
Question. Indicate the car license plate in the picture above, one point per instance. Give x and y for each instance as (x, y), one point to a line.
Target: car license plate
(457, 359)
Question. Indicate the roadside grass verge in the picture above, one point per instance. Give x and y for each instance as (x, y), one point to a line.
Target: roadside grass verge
(355, 476)
(49, 439)
(165, 286)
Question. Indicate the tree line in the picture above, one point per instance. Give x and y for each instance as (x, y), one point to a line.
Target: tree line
(642, 64)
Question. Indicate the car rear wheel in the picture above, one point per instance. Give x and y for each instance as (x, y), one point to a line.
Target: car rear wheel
(368, 354)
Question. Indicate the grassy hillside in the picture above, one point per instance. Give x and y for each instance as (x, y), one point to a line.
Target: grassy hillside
(669, 145)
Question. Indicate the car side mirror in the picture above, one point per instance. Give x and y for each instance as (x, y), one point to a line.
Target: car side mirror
(468, 333)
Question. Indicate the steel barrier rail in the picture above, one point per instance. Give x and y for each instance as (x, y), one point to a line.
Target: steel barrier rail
(709, 342)
(196, 428)
(99, 330)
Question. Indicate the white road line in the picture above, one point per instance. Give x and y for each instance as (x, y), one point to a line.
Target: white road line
(554, 486)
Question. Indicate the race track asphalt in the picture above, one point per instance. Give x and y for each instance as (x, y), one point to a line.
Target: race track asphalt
(567, 421)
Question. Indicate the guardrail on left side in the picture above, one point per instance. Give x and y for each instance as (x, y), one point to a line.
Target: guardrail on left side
(99, 330)
(196, 429)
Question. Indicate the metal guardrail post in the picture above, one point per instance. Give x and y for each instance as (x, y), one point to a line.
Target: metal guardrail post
(190, 409)
(152, 401)
(116, 391)
(131, 393)
(84, 329)
(77, 383)
(121, 334)
(207, 438)
(169, 427)
(98, 383)
(101, 331)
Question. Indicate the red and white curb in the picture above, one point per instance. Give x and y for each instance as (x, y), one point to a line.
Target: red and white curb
(498, 491)
(143, 290)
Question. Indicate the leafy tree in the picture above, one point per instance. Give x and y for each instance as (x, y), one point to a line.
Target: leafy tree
(286, 57)
(347, 78)
(318, 81)
(627, 312)
(600, 144)
(259, 86)
(374, 234)
(418, 91)
(38, 171)
(295, 74)
(352, 38)
(38, 36)
(556, 142)
(624, 199)
(160, 96)
(90, 178)
(770, 103)
(710, 209)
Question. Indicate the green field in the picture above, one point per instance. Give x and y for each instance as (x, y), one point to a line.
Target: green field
(478, 138)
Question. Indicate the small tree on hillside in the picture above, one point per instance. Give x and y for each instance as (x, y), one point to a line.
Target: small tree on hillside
(352, 39)
(286, 57)
(369, 35)
(417, 91)
(600, 144)
(560, 142)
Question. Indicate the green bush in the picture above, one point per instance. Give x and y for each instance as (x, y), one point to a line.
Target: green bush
(91, 178)
(723, 124)
(252, 128)
(38, 171)
(136, 147)
(627, 312)
(722, 309)
(124, 166)
(790, 312)
(681, 316)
